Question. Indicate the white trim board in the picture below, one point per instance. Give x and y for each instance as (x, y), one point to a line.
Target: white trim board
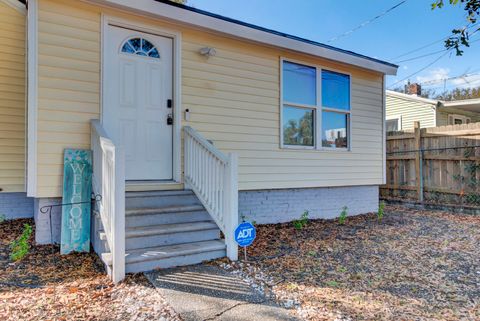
(176, 14)
(411, 97)
(177, 95)
(32, 96)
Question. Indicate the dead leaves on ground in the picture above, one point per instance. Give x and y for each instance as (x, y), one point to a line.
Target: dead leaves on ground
(48, 286)
(412, 265)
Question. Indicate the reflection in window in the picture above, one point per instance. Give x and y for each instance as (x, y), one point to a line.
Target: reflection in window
(299, 84)
(335, 129)
(392, 125)
(298, 126)
(141, 47)
(335, 90)
(310, 107)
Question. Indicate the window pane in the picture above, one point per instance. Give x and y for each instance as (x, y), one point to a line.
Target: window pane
(392, 125)
(298, 126)
(334, 129)
(299, 84)
(335, 90)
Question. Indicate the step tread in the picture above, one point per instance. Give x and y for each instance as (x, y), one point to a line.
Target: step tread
(163, 252)
(158, 193)
(169, 228)
(164, 209)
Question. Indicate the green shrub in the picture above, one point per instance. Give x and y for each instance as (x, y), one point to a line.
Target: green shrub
(2, 218)
(343, 216)
(381, 211)
(302, 222)
(20, 247)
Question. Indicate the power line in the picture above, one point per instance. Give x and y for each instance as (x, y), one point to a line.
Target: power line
(363, 24)
(428, 45)
(434, 81)
(428, 54)
(422, 69)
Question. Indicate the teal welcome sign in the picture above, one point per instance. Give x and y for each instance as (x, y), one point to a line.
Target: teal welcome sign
(77, 190)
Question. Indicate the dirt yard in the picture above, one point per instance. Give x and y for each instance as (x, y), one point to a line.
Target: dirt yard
(414, 265)
(47, 286)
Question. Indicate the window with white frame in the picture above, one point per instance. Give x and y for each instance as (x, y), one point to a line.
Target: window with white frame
(394, 123)
(454, 119)
(315, 107)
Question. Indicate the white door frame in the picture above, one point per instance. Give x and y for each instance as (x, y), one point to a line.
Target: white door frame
(176, 36)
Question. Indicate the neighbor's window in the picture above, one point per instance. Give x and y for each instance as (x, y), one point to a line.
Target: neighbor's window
(314, 101)
(394, 123)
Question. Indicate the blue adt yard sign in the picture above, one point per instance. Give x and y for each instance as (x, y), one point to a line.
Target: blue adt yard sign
(245, 234)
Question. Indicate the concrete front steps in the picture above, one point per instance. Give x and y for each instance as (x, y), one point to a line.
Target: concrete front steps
(165, 229)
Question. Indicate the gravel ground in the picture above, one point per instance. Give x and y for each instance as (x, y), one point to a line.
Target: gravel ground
(47, 286)
(414, 265)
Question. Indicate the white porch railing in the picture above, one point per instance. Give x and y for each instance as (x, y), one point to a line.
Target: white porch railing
(109, 181)
(213, 177)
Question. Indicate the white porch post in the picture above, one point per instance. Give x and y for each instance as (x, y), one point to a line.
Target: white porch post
(231, 207)
(118, 231)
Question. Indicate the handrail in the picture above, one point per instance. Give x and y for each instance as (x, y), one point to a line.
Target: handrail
(213, 177)
(109, 181)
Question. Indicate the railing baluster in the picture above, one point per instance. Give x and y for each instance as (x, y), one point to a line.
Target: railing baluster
(214, 179)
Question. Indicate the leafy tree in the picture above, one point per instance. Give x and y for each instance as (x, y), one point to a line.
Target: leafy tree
(460, 37)
(299, 132)
(459, 94)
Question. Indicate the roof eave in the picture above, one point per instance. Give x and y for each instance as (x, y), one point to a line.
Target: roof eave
(180, 15)
(412, 97)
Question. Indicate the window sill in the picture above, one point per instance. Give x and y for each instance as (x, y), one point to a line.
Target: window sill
(316, 149)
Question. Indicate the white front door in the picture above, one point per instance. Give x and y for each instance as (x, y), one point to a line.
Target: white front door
(137, 111)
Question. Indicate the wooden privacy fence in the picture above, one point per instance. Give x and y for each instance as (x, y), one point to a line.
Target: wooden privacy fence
(439, 164)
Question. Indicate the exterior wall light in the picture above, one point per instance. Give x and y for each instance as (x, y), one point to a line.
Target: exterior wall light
(207, 52)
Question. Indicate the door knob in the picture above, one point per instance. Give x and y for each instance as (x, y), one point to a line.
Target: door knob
(170, 119)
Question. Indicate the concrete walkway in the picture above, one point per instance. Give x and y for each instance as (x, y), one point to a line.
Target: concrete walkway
(209, 293)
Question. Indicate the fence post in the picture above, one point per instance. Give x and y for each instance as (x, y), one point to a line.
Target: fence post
(418, 160)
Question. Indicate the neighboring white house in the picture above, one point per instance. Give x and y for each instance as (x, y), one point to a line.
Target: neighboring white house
(404, 109)
(194, 120)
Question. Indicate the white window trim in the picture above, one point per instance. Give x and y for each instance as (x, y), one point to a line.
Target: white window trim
(318, 108)
(453, 117)
(177, 77)
(32, 97)
(398, 118)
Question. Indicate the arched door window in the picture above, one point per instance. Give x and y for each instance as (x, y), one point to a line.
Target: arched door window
(141, 47)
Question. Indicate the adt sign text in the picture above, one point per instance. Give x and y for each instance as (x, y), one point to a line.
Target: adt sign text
(245, 234)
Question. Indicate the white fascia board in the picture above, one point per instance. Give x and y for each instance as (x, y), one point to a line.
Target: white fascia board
(175, 14)
(412, 97)
(461, 103)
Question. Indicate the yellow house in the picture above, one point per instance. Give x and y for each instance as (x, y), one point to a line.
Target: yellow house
(195, 121)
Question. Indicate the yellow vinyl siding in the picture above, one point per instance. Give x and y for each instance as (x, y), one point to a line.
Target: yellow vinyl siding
(233, 98)
(12, 99)
(68, 85)
(234, 101)
(411, 111)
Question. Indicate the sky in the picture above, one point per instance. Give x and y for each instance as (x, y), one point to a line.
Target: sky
(408, 27)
